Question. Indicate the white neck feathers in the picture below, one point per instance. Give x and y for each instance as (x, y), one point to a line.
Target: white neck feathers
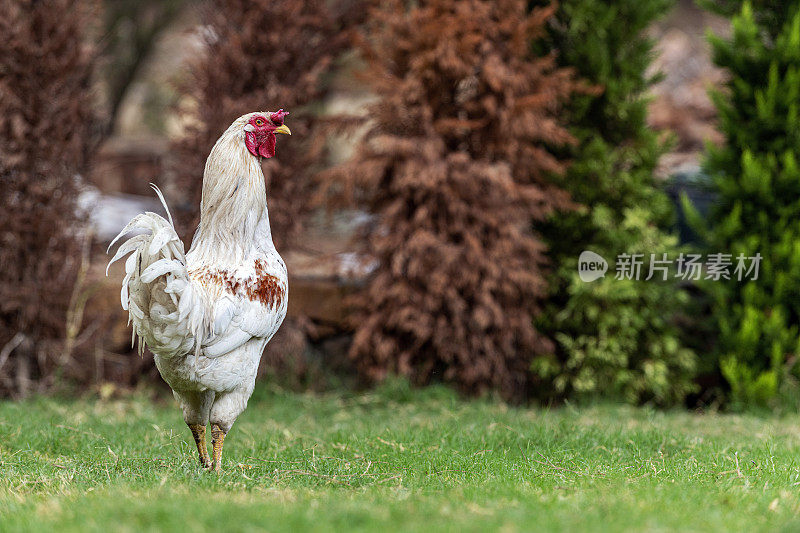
(234, 200)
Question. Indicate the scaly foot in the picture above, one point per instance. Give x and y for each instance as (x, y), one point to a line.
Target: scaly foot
(199, 434)
(218, 439)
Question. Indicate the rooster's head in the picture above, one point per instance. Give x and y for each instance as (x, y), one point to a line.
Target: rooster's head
(260, 130)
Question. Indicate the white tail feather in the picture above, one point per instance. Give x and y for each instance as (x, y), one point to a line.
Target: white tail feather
(126, 248)
(163, 202)
(160, 299)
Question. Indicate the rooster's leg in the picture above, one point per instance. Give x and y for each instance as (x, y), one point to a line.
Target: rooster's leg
(199, 434)
(218, 438)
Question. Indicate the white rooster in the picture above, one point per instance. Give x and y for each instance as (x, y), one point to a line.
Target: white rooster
(207, 315)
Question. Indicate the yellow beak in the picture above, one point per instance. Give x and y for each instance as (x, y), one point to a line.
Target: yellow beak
(283, 129)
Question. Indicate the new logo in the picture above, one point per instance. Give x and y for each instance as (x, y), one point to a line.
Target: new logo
(591, 266)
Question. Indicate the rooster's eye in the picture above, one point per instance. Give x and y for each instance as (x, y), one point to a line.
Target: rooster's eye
(259, 122)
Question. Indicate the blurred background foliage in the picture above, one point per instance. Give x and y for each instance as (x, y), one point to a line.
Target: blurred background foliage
(130, 30)
(614, 338)
(451, 159)
(755, 176)
(454, 166)
(49, 129)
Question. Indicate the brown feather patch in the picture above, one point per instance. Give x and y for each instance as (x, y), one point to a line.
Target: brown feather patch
(262, 287)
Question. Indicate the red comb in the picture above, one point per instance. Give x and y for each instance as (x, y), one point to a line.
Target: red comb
(277, 117)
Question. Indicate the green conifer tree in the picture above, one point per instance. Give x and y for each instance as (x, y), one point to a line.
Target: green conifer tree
(614, 338)
(757, 178)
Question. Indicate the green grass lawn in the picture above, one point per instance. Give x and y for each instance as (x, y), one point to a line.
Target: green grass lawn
(395, 460)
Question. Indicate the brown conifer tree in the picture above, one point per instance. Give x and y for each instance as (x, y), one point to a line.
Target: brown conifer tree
(454, 167)
(46, 124)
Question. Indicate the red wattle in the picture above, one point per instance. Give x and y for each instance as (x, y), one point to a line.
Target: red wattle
(267, 148)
